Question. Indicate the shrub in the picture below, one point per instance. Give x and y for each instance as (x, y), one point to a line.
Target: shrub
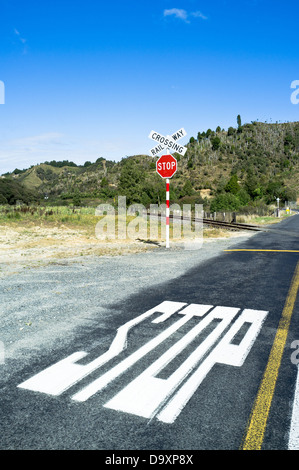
(225, 202)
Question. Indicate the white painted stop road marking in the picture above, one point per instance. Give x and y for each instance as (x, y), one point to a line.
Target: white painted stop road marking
(147, 395)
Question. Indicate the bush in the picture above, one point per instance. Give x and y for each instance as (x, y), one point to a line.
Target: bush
(187, 189)
(243, 197)
(225, 202)
(232, 186)
(77, 199)
(3, 199)
(215, 143)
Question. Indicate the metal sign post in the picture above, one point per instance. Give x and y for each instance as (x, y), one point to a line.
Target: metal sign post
(167, 210)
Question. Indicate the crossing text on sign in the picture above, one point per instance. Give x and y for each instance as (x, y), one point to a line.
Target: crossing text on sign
(168, 142)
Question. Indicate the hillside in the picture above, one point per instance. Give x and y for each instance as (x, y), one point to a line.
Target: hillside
(224, 169)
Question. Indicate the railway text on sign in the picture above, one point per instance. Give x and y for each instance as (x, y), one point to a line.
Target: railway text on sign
(167, 142)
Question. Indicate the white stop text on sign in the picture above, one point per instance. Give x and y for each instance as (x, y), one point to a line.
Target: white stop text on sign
(166, 165)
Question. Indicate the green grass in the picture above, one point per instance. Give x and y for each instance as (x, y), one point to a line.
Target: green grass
(84, 220)
(37, 214)
(262, 220)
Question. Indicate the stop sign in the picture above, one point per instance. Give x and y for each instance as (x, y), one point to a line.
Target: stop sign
(166, 166)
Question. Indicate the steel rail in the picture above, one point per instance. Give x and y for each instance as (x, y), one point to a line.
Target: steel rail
(229, 225)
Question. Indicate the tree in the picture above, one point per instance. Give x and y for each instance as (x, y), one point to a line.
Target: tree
(225, 202)
(288, 143)
(187, 189)
(60, 164)
(104, 182)
(215, 143)
(3, 199)
(233, 185)
(289, 194)
(274, 189)
(77, 199)
(239, 122)
(243, 197)
(190, 163)
(12, 191)
(130, 181)
(253, 186)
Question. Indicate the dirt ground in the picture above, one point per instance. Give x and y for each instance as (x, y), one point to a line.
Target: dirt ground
(22, 247)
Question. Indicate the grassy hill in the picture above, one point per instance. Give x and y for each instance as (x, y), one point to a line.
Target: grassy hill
(249, 165)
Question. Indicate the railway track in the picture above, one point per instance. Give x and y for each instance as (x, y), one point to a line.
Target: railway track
(238, 226)
(225, 225)
(230, 225)
(214, 223)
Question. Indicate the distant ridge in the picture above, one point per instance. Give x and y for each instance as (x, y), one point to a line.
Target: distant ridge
(249, 164)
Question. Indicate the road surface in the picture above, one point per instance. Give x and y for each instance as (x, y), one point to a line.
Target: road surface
(200, 358)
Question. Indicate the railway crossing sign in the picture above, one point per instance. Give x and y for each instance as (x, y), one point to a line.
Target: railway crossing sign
(168, 142)
(166, 166)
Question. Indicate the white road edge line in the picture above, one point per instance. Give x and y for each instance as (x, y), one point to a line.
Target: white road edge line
(294, 429)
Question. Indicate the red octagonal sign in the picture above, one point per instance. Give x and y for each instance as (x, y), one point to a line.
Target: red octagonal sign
(166, 166)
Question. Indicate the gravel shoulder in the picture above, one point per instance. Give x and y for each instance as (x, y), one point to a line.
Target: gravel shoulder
(42, 307)
(28, 244)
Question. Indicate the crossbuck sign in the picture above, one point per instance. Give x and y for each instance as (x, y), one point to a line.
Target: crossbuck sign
(168, 142)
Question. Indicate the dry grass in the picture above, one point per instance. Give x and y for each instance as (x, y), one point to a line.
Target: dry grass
(40, 236)
(19, 244)
(261, 220)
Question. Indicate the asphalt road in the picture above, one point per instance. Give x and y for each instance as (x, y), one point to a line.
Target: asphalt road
(168, 380)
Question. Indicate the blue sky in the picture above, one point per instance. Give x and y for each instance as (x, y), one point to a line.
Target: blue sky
(88, 79)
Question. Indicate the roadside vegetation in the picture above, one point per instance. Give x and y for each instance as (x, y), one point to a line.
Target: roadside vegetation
(244, 169)
(86, 218)
(35, 235)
